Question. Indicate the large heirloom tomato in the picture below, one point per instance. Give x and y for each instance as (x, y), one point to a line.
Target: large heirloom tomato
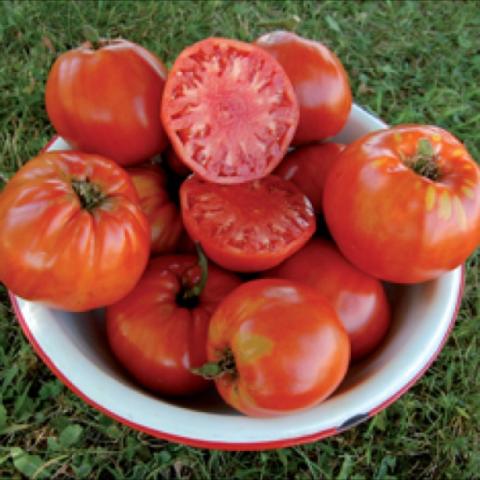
(403, 204)
(72, 233)
(319, 80)
(358, 298)
(248, 227)
(159, 331)
(307, 167)
(106, 100)
(163, 215)
(229, 109)
(275, 347)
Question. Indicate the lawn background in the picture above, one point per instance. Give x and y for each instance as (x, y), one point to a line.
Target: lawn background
(408, 62)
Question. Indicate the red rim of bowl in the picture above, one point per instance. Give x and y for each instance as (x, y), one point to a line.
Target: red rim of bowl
(195, 442)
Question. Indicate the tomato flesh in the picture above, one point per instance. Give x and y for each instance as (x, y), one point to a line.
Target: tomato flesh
(229, 110)
(247, 227)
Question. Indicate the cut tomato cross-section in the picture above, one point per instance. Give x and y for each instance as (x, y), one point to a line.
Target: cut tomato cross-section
(229, 109)
(248, 227)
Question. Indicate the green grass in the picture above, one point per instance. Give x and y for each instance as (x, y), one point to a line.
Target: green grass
(408, 62)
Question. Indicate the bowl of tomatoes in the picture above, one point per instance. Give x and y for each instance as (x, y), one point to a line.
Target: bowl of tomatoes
(306, 274)
(423, 315)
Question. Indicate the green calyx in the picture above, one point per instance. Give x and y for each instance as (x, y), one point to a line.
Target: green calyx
(89, 194)
(225, 366)
(188, 297)
(424, 161)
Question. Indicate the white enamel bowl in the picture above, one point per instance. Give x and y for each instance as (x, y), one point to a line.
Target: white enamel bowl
(74, 347)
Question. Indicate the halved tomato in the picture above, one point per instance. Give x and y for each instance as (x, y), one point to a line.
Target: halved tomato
(248, 227)
(229, 109)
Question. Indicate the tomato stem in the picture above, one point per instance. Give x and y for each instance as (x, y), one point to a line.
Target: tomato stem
(224, 366)
(90, 194)
(188, 296)
(424, 161)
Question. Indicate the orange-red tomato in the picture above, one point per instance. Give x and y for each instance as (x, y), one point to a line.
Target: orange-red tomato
(307, 167)
(229, 110)
(163, 215)
(278, 347)
(403, 204)
(247, 227)
(319, 80)
(72, 233)
(157, 334)
(106, 100)
(358, 298)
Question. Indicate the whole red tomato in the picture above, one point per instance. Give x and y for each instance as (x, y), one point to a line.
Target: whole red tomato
(307, 167)
(319, 80)
(229, 110)
(247, 227)
(403, 204)
(275, 347)
(358, 298)
(72, 233)
(163, 214)
(106, 100)
(159, 331)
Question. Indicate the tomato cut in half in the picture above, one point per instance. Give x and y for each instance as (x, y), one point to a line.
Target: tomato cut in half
(229, 110)
(248, 227)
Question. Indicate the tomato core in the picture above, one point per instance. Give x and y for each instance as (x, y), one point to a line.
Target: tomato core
(89, 194)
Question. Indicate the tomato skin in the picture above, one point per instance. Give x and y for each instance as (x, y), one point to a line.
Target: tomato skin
(248, 227)
(308, 166)
(229, 110)
(53, 250)
(163, 215)
(395, 224)
(106, 101)
(290, 350)
(358, 298)
(157, 340)
(319, 80)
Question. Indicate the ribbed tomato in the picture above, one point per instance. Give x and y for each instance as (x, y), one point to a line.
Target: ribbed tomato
(229, 109)
(159, 331)
(105, 99)
(403, 204)
(72, 233)
(247, 227)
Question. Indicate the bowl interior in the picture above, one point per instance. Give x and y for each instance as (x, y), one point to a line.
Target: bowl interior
(74, 347)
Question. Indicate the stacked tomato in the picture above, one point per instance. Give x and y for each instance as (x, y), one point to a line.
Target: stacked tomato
(223, 274)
